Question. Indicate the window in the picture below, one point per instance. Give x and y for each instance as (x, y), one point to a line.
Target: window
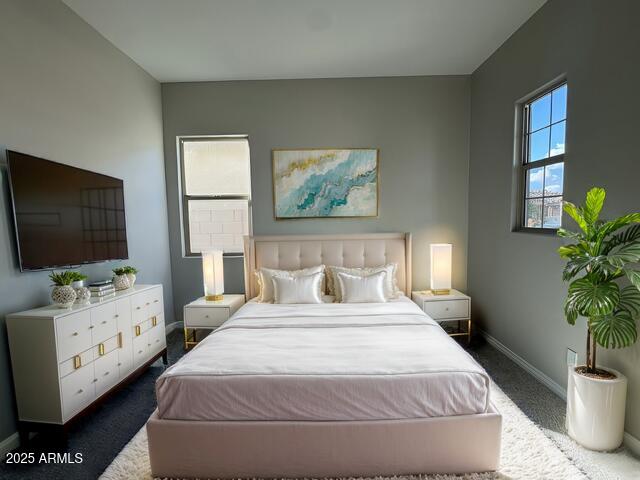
(215, 193)
(544, 121)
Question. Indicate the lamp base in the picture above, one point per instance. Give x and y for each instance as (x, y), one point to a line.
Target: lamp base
(214, 298)
(443, 291)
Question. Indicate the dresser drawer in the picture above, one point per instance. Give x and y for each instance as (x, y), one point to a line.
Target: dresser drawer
(105, 347)
(205, 317)
(157, 338)
(154, 300)
(139, 310)
(123, 314)
(106, 372)
(140, 348)
(444, 309)
(79, 360)
(78, 391)
(125, 359)
(104, 322)
(73, 334)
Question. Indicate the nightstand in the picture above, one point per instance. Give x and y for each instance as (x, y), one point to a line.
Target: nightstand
(203, 314)
(454, 307)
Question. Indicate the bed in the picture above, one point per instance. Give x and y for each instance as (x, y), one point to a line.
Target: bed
(325, 390)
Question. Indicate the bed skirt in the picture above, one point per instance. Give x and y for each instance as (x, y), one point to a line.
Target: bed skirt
(296, 449)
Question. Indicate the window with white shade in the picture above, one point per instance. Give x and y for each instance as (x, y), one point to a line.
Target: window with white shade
(215, 193)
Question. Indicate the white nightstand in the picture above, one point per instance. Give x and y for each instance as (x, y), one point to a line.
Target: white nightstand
(454, 307)
(203, 314)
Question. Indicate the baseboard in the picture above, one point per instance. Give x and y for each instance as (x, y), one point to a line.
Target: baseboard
(11, 443)
(533, 371)
(172, 326)
(631, 442)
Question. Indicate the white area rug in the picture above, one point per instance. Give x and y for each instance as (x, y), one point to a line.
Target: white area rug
(526, 453)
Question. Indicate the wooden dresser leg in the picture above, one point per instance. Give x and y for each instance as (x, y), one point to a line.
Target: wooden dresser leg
(165, 357)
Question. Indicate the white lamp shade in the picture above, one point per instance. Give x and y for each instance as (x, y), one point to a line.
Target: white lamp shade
(441, 254)
(213, 274)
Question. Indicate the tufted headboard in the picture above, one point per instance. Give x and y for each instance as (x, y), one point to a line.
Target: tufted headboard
(292, 252)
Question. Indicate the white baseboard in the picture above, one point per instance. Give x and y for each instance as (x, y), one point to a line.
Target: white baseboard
(533, 371)
(631, 442)
(172, 326)
(10, 443)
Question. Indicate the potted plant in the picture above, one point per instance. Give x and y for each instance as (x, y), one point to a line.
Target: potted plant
(130, 272)
(83, 294)
(120, 279)
(63, 294)
(605, 289)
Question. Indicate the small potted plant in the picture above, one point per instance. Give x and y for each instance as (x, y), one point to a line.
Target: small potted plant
(83, 294)
(605, 289)
(120, 279)
(63, 294)
(130, 272)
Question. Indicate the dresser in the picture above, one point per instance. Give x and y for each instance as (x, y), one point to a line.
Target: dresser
(65, 360)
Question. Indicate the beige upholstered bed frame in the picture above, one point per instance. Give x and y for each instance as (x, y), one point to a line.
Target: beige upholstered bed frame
(295, 449)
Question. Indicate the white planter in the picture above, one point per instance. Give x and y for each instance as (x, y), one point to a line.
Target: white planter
(132, 279)
(595, 410)
(63, 296)
(121, 282)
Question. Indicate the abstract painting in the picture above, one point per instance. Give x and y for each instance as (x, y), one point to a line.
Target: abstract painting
(325, 183)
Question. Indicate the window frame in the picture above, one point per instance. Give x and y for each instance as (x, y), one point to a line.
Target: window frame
(523, 166)
(184, 198)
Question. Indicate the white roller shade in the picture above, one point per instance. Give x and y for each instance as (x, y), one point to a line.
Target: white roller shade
(217, 167)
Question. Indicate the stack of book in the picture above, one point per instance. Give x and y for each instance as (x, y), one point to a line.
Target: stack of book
(102, 290)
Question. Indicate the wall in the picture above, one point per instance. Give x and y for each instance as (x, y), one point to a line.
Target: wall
(68, 95)
(420, 125)
(515, 278)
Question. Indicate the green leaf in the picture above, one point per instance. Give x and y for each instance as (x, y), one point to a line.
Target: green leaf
(575, 213)
(629, 253)
(593, 300)
(569, 234)
(631, 234)
(615, 330)
(574, 266)
(633, 276)
(569, 251)
(618, 223)
(630, 299)
(570, 313)
(593, 205)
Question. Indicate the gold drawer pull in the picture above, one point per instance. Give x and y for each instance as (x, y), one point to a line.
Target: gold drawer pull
(101, 349)
(120, 340)
(138, 331)
(77, 362)
(154, 321)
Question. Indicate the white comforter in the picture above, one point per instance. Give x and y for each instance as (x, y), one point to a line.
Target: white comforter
(324, 362)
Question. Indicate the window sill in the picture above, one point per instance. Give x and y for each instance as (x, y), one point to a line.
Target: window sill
(552, 232)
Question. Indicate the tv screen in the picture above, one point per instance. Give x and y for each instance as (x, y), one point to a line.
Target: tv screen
(65, 215)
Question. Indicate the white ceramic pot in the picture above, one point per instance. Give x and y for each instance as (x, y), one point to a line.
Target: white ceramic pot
(83, 294)
(63, 296)
(132, 279)
(595, 410)
(121, 282)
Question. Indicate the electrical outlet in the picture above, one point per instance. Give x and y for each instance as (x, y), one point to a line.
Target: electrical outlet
(572, 358)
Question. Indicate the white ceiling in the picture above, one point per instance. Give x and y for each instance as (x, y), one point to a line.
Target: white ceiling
(195, 40)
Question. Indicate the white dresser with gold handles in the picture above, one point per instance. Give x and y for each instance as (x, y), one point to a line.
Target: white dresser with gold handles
(65, 360)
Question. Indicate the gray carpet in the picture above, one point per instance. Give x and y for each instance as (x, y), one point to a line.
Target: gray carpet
(101, 435)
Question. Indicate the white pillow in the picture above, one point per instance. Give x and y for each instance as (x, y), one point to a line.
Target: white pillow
(390, 287)
(362, 289)
(266, 274)
(299, 289)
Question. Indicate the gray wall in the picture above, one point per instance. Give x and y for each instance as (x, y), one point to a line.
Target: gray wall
(515, 278)
(420, 125)
(68, 95)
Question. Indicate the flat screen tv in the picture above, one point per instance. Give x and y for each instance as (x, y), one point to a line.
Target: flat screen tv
(65, 215)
